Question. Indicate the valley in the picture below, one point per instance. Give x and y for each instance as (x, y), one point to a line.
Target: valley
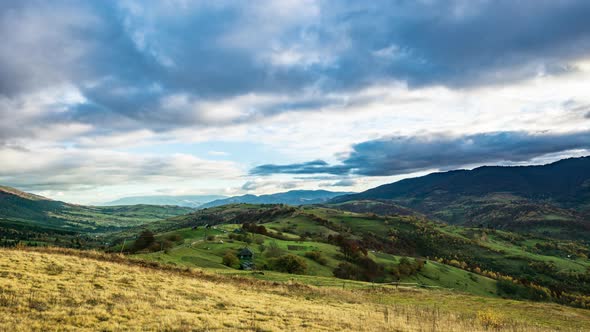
(458, 251)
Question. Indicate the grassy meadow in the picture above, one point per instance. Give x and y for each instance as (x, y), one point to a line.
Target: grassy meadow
(456, 257)
(194, 250)
(67, 290)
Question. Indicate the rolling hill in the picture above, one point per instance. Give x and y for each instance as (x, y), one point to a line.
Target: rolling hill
(400, 251)
(553, 199)
(480, 261)
(293, 197)
(26, 216)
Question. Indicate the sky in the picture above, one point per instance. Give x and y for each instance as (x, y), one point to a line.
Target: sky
(105, 99)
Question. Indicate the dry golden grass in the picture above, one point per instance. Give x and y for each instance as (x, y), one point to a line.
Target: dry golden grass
(60, 290)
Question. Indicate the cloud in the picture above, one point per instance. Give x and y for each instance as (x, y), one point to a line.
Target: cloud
(70, 168)
(310, 167)
(81, 83)
(40, 48)
(403, 155)
(249, 185)
(148, 65)
(341, 183)
(258, 184)
(577, 107)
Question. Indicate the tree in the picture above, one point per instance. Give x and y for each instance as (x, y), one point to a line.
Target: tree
(289, 263)
(346, 270)
(230, 259)
(273, 250)
(145, 240)
(316, 256)
(371, 270)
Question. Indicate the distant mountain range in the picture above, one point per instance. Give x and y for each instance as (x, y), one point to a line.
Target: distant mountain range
(193, 201)
(293, 197)
(550, 199)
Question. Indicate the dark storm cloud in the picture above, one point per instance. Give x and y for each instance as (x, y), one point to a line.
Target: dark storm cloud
(403, 155)
(126, 59)
(311, 167)
(462, 43)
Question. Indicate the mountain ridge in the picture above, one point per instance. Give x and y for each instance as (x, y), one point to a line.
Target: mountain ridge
(292, 197)
(552, 197)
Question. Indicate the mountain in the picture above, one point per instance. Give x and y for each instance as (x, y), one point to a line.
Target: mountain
(553, 199)
(25, 216)
(293, 197)
(192, 201)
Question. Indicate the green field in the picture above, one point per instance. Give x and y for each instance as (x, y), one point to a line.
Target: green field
(194, 250)
(457, 258)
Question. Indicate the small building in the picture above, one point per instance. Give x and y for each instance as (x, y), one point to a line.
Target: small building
(245, 254)
(246, 265)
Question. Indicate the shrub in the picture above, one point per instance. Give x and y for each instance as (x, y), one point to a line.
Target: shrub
(259, 240)
(289, 263)
(519, 291)
(174, 238)
(166, 244)
(406, 268)
(273, 250)
(230, 259)
(145, 240)
(371, 271)
(346, 270)
(54, 269)
(490, 319)
(253, 228)
(316, 256)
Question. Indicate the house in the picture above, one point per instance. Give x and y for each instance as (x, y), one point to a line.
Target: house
(247, 266)
(245, 254)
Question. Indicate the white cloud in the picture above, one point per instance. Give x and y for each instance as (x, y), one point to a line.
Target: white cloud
(70, 170)
(47, 61)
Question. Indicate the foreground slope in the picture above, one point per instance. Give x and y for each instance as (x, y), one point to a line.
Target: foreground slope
(88, 291)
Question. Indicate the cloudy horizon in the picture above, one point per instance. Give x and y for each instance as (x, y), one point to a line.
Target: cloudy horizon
(106, 99)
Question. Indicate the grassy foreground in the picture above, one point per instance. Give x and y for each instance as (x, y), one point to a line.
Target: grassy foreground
(66, 290)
